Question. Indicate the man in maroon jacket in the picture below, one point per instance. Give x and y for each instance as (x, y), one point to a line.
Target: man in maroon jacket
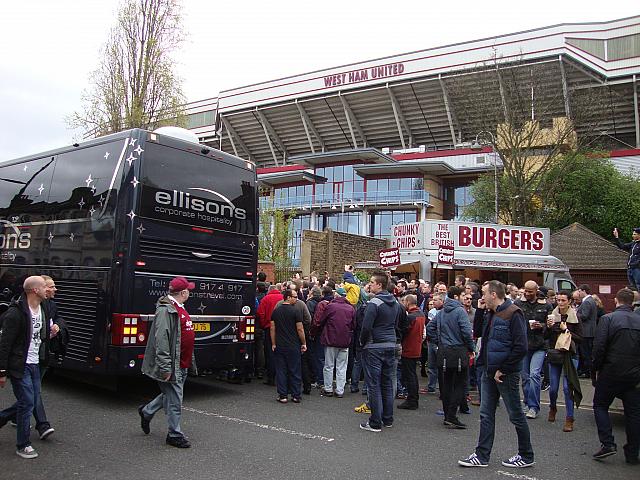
(337, 323)
(265, 309)
(412, 332)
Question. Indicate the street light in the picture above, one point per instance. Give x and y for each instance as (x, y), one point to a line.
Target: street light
(476, 145)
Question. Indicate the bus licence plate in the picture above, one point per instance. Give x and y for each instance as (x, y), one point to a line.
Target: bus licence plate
(201, 327)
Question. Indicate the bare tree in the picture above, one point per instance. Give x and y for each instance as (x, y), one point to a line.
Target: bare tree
(536, 123)
(135, 85)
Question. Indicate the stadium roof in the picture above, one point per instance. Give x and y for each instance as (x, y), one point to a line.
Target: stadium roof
(435, 98)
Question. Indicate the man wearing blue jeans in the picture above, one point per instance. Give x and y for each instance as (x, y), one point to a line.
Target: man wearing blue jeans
(379, 360)
(25, 335)
(535, 310)
(504, 346)
(438, 303)
(168, 357)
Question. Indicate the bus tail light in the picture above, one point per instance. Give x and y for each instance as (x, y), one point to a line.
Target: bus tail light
(246, 329)
(128, 329)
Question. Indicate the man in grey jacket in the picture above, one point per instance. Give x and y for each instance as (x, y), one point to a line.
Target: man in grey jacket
(167, 359)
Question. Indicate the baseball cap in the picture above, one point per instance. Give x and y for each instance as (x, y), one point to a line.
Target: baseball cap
(636, 230)
(180, 283)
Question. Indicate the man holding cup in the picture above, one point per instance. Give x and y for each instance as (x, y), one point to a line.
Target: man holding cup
(535, 311)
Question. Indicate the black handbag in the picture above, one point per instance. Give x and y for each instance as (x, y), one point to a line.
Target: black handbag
(556, 357)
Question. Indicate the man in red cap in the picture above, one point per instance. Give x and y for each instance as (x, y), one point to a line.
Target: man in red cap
(167, 359)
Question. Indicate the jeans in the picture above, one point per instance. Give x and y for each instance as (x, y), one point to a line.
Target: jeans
(555, 371)
(356, 373)
(379, 371)
(410, 378)
(27, 393)
(258, 360)
(288, 371)
(605, 392)
(433, 367)
(317, 359)
(170, 399)
(339, 357)
(633, 275)
(531, 378)
(509, 390)
(38, 409)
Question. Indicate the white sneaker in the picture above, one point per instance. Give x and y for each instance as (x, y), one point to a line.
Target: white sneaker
(532, 413)
(27, 452)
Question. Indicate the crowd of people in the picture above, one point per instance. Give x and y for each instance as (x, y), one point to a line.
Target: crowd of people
(473, 343)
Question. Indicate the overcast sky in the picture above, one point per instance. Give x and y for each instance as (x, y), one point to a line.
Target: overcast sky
(49, 47)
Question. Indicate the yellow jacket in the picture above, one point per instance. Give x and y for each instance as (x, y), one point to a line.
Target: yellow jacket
(353, 293)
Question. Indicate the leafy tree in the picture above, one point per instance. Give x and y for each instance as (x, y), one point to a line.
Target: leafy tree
(135, 85)
(276, 234)
(587, 189)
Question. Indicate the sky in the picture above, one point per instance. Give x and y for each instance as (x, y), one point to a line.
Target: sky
(49, 48)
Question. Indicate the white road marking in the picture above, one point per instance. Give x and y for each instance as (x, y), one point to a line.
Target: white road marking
(309, 436)
(515, 475)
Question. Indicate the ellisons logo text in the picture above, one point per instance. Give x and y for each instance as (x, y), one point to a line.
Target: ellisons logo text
(194, 207)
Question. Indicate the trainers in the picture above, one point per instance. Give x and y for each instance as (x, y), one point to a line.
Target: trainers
(338, 395)
(440, 413)
(364, 408)
(472, 461)
(27, 452)
(366, 426)
(144, 422)
(531, 413)
(179, 442)
(401, 396)
(455, 423)
(354, 389)
(407, 406)
(324, 393)
(296, 400)
(517, 462)
(604, 452)
(545, 387)
(282, 399)
(45, 431)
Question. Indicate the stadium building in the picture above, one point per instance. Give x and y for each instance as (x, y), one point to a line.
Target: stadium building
(361, 147)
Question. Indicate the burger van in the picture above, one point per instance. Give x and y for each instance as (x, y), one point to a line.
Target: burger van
(438, 250)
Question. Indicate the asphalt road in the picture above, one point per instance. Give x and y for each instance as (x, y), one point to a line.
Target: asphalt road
(241, 432)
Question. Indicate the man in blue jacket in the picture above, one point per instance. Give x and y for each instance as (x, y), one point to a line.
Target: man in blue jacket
(378, 341)
(451, 331)
(504, 346)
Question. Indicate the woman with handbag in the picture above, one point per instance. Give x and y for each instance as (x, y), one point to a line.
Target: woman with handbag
(564, 331)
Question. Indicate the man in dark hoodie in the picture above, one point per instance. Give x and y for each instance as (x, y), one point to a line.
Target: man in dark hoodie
(451, 330)
(504, 346)
(23, 344)
(378, 341)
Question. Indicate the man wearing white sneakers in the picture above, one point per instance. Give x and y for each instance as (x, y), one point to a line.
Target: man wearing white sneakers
(25, 333)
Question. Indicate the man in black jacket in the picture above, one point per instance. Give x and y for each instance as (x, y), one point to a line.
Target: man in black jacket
(535, 312)
(633, 265)
(616, 359)
(25, 336)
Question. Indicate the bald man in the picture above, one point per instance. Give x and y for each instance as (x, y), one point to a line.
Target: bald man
(535, 312)
(25, 336)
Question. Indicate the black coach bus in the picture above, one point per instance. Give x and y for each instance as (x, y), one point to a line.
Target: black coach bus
(113, 220)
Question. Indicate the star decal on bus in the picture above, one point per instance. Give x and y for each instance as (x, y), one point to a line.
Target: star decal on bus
(138, 150)
(130, 159)
(131, 215)
(88, 181)
(92, 211)
(202, 308)
(40, 189)
(71, 237)
(106, 155)
(140, 229)
(134, 182)
(253, 245)
(25, 168)
(81, 203)
(132, 141)
(50, 237)
(93, 189)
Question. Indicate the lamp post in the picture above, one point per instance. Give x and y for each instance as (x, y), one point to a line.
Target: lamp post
(476, 145)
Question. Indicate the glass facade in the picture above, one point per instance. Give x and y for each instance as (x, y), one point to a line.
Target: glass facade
(380, 222)
(457, 198)
(348, 222)
(201, 119)
(297, 226)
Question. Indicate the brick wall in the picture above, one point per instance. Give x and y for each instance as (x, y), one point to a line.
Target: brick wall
(330, 250)
(268, 268)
